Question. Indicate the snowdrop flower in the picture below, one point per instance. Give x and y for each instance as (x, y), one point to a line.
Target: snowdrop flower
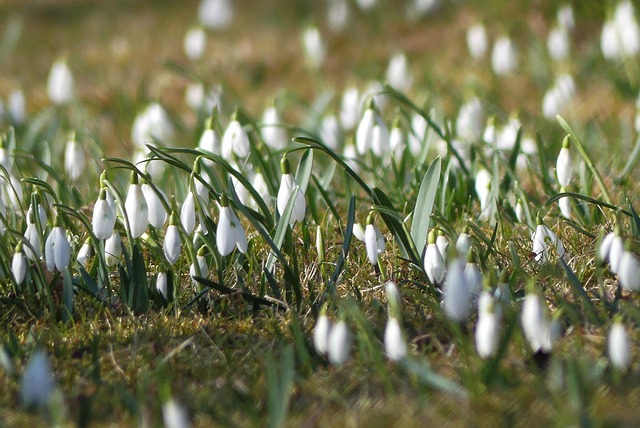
(470, 121)
(337, 15)
(60, 83)
(157, 211)
(434, 265)
(152, 126)
(32, 235)
(162, 282)
(330, 133)
(17, 106)
(321, 333)
(188, 213)
(558, 43)
(235, 140)
(542, 238)
(172, 244)
(136, 208)
(398, 74)
(457, 299)
(473, 276)
(288, 185)
(340, 340)
(350, 155)
(230, 232)
(19, 264)
(565, 205)
(314, 48)
(612, 249)
(396, 140)
(418, 136)
(364, 134)
(57, 250)
(559, 96)
(564, 164)
(174, 415)
(210, 141)
(37, 383)
(74, 159)
(394, 343)
(215, 14)
(565, 17)
(374, 241)
(349, 108)
(260, 185)
(104, 216)
(620, 38)
(477, 41)
(273, 133)
(463, 244)
(605, 245)
(84, 254)
(536, 324)
(442, 242)
(380, 139)
(488, 330)
(520, 214)
(194, 43)
(629, 271)
(619, 349)
(504, 58)
(113, 249)
(365, 5)
(202, 264)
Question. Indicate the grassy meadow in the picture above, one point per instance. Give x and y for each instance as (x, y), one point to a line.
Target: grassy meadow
(337, 213)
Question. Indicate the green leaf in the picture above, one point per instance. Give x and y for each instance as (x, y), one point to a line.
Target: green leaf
(424, 205)
(280, 375)
(555, 197)
(396, 226)
(631, 162)
(303, 174)
(138, 298)
(427, 376)
(346, 243)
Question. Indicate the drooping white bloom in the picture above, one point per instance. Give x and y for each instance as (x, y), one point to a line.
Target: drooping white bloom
(321, 334)
(60, 83)
(565, 17)
(565, 205)
(543, 238)
(463, 245)
(104, 216)
(172, 244)
(470, 121)
(84, 254)
(473, 277)
(157, 211)
(272, 131)
(195, 42)
(349, 108)
(152, 126)
(162, 282)
(188, 213)
(31, 234)
(398, 74)
(504, 58)
(210, 141)
(520, 213)
(620, 38)
(340, 340)
(442, 242)
(57, 250)
(330, 132)
(488, 329)
(616, 250)
(350, 155)
(235, 140)
(230, 233)
(37, 384)
(260, 185)
(288, 185)
(418, 134)
(629, 271)
(397, 142)
(558, 43)
(564, 164)
(371, 240)
(19, 264)
(174, 415)
(456, 296)
(200, 98)
(477, 41)
(314, 48)
(136, 208)
(337, 15)
(215, 14)
(380, 139)
(434, 265)
(113, 249)
(202, 264)
(394, 343)
(365, 5)
(539, 331)
(559, 96)
(17, 106)
(619, 349)
(74, 159)
(364, 134)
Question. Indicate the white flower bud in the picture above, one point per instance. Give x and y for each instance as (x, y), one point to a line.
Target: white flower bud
(619, 347)
(339, 343)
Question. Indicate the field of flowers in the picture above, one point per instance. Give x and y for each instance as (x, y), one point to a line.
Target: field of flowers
(346, 213)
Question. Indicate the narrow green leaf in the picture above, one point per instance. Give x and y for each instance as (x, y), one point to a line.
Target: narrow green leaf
(424, 205)
(396, 226)
(346, 243)
(303, 174)
(579, 290)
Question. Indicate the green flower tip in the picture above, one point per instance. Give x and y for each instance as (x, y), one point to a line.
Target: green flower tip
(504, 277)
(566, 142)
(431, 238)
(72, 136)
(208, 124)
(134, 178)
(396, 122)
(370, 218)
(234, 115)
(202, 251)
(372, 103)
(224, 200)
(196, 165)
(19, 247)
(539, 219)
(471, 257)
(285, 166)
(172, 218)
